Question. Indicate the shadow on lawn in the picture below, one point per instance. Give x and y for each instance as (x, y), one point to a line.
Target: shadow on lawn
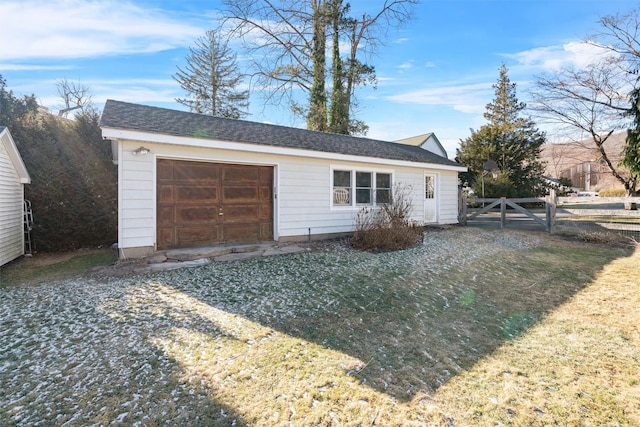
(160, 331)
(414, 318)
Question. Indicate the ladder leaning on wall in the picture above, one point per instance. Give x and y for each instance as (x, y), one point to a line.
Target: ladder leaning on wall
(28, 226)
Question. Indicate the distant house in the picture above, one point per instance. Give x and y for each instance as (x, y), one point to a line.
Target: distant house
(188, 180)
(581, 162)
(427, 141)
(13, 177)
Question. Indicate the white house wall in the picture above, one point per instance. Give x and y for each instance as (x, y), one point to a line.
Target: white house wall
(302, 190)
(448, 197)
(11, 206)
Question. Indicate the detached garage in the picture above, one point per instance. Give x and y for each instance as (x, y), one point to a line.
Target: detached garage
(189, 180)
(13, 177)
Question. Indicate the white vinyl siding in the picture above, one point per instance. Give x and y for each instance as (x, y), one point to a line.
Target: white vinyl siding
(136, 198)
(448, 197)
(303, 190)
(11, 206)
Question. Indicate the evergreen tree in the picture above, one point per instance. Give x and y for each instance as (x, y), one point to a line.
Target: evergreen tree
(74, 183)
(13, 108)
(631, 153)
(510, 140)
(210, 79)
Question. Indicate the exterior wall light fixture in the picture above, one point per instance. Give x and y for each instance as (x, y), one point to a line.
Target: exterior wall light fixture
(140, 151)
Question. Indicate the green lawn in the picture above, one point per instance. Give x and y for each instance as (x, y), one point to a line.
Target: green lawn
(49, 267)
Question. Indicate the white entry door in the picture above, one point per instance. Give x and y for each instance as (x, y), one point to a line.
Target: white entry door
(430, 198)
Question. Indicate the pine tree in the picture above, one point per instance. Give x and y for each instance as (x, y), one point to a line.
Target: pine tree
(510, 140)
(210, 79)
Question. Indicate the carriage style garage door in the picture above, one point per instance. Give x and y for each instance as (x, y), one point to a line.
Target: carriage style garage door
(201, 203)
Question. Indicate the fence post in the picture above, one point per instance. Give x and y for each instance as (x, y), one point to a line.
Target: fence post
(503, 211)
(462, 211)
(551, 211)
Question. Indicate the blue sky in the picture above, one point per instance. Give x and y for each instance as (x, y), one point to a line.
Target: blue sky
(434, 74)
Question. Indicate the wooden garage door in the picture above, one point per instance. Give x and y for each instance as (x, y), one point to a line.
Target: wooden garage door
(201, 203)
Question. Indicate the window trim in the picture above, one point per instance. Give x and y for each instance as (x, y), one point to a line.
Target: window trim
(353, 205)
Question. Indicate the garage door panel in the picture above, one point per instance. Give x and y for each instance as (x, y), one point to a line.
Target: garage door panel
(195, 171)
(265, 193)
(241, 232)
(165, 193)
(266, 174)
(266, 231)
(200, 195)
(266, 212)
(197, 214)
(166, 215)
(166, 237)
(196, 235)
(165, 170)
(239, 194)
(240, 174)
(241, 212)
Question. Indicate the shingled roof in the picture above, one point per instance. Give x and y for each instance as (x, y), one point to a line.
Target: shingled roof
(143, 118)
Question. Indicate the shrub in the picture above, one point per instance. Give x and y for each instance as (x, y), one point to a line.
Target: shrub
(612, 192)
(387, 227)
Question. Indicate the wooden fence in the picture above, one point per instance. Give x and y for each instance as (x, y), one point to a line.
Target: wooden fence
(571, 207)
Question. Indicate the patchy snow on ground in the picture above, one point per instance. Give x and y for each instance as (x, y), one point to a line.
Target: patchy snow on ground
(168, 348)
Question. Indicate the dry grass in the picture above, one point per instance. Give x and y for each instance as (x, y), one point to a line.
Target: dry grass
(580, 366)
(475, 327)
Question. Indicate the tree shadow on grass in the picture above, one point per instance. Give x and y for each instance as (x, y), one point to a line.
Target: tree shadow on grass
(413, 319)
(179, 334)
(76, 353)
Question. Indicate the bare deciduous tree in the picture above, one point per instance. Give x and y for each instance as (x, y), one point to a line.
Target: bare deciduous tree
(590, 104)
(75, 96)
(287, 41)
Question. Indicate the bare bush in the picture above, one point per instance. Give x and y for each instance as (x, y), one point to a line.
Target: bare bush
(613, 192)
(387, 227)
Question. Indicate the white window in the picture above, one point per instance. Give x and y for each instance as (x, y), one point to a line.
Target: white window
(383, 188)
(342, 188)
(363, 188)
(366, 187)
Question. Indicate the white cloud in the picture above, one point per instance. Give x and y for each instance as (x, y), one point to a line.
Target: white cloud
(550, 58)
(28, 67)
(406, 65)
(143, 91)
(80, 29)
(469, 98)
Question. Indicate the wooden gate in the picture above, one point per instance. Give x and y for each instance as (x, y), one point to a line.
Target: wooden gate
(489, 206)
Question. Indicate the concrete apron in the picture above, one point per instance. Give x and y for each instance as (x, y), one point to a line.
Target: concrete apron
(193, 257)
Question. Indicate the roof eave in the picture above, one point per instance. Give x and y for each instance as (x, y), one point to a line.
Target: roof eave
(14, 155)
(159, 138)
